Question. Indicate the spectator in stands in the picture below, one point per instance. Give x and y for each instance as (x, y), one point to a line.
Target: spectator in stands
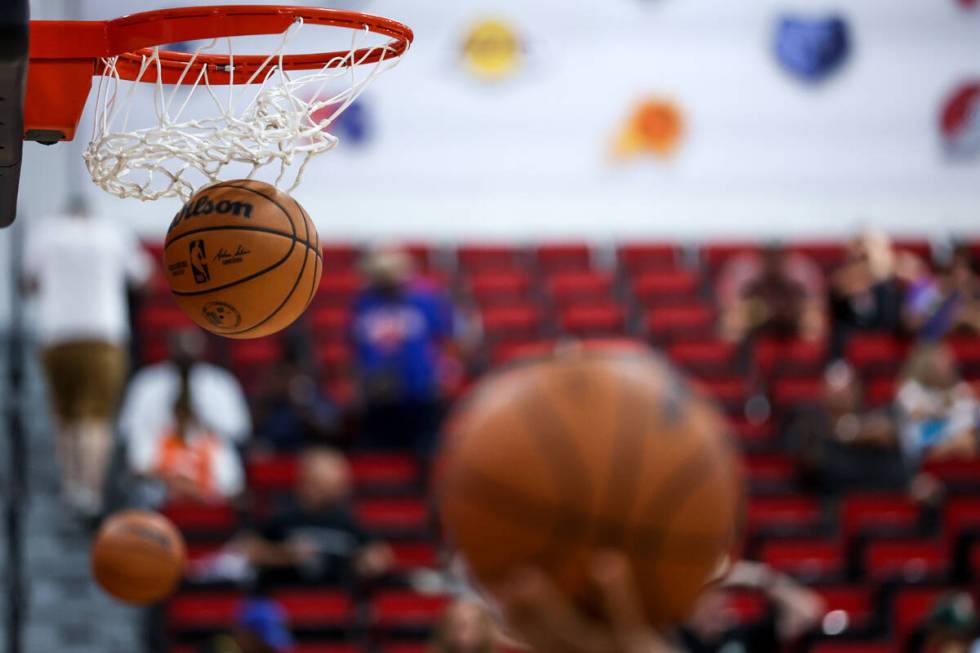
(937, 304)
(866, 292)
(400, 332)
(260, 627)
(938, 412)
(79, 266)
(714, 627)
(186, 461)
(952, 626)
(291, 412)
(466, 627)
(315, 538)
(773, 294)
(216, 398)
(839, 445)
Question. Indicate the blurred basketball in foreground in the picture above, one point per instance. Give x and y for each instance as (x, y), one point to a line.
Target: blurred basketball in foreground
(138, 556)
(242, 258)
(548, 462)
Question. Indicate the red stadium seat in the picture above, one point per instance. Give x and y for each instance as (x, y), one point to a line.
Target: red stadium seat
(748, 605)
(773, 356)
(585, 286)
(920, 248)
(854, 600)
(716, 255)
(553, 257)
(728, 390)
(854, 647)
(325, 647)
(409, 555)
(770, 469)
(959, 474)
(828, 255)
(337, 289)
(406, 647)
(878, 512)
(788, 392)
(881, 391)
(749, 432)
(334, 357)
(662, 287)
(911, 606)
(316, 608)
(808, 559)
(689, 322)
(961, 515)
(203, 610)
(966, 349)
(275, 474)
(500, 287)
(702, 357)
(421, 255)
(256, 352)
(384, 470)
(511, 322)
(508, 352)
(339, 256)
(909, 560)
(486, 257)
(784, 513)
(583, 321)
(873, 352)
(642, 257)
(163, 318)
(404, 608)
(392, 514)
(218, 519)
(330, 324)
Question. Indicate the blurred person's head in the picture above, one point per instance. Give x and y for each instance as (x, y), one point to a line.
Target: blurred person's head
(260, 627)
(466, 627)
(952, 625)
(77, 206)
(960, 271)
(388, 268)
(874, 246)
(841, 388)
(324, 478)
(773, 259)
(932, 365)
(185, 347)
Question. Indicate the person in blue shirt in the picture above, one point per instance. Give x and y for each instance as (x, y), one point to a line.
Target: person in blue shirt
(400, 329)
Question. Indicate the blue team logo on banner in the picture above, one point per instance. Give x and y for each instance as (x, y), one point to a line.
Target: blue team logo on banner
(812, 49)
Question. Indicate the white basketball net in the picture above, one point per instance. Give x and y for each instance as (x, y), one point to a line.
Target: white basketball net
(278, 120)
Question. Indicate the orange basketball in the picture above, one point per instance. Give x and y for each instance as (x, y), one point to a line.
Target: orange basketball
(242, 258)
(550, 461)
(138, 556)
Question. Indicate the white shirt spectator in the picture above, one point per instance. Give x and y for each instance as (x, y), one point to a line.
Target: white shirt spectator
(930, 416)
(223, 477)
(82, 265)
(216, 398)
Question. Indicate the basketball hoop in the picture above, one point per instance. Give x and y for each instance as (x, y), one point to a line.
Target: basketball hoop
(212, 110)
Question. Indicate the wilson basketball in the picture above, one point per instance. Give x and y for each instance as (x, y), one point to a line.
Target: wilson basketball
(242, 258)
(138, 556)
(548, 462)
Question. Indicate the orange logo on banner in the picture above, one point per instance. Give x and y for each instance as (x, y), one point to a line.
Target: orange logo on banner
(655, 127)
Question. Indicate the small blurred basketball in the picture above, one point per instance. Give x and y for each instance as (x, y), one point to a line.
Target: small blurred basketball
(138, 556)
(242, 258)
(550, 461)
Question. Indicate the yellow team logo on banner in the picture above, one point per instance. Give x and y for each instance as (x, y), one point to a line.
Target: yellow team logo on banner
(655, 127)
(492, 49)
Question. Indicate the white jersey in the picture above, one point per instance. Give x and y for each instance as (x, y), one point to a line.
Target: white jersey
(82, 266)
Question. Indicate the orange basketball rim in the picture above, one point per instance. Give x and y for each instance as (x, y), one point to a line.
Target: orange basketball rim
(65, 55)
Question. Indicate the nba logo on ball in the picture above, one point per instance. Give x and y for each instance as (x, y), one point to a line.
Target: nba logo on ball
(812, 49)
(959, 122)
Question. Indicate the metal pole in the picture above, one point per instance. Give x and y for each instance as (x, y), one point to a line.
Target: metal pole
(16, 491)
